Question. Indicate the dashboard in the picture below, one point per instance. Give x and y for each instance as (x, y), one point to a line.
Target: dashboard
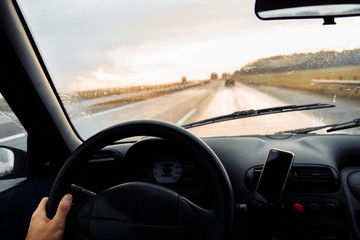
(321, 199)
(151, 160)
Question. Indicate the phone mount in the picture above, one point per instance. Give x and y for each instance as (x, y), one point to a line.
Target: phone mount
(259, 204)
(260, 198)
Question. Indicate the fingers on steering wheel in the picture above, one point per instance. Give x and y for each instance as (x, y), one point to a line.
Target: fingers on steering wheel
(64, 208)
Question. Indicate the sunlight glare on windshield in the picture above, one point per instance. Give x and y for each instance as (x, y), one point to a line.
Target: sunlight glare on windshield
(127, 58)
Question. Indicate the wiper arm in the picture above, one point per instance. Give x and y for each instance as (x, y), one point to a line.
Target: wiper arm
(257, 112)
(346, 125)
(306, 130)
(333, 127)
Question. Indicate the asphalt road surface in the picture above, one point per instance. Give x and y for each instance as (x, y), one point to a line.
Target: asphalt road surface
(207, 101)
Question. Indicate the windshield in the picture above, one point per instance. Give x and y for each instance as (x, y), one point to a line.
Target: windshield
(184, 61)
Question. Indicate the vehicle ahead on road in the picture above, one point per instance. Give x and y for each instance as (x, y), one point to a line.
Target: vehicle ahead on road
(92, 104)
(229, 82)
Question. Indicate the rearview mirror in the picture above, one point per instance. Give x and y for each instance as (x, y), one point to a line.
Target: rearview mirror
(292, 9)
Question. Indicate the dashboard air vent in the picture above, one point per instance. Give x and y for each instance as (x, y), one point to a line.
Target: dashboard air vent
(302, 179)
(313, 180)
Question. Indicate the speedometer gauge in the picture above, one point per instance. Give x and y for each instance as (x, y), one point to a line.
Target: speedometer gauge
(167, 170)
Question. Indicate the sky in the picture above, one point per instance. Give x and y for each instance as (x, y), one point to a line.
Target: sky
(113, 43)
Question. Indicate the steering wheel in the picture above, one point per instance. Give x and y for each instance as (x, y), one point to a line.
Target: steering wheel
(139, 210)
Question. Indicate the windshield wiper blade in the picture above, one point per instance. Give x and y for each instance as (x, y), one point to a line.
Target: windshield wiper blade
(258, 112)
(306, 130)
(333, 127)
(346, 125)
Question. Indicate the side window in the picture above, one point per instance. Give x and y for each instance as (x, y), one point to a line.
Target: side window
(12, 133)
(13, 144)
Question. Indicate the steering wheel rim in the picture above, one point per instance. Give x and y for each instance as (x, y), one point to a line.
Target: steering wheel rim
(155, 128)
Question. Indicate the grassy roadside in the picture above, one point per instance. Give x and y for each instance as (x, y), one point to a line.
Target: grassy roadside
(4, 106)
(303, 80)
(161, 88)
(150, 92)
(114, 97)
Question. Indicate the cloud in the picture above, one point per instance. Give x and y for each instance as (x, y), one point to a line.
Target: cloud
(110, 42)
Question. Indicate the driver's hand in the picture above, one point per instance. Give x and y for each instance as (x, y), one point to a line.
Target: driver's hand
(42, 228)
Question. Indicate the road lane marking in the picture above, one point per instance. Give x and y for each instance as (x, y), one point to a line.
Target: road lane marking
(115, 109)
(13, 137)
(310, 119)
(186, 117)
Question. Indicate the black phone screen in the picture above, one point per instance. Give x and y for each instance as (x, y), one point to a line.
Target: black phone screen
(274, 175)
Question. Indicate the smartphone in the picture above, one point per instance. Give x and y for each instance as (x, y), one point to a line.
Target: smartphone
(274, 175)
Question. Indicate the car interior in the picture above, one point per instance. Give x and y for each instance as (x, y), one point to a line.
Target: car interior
(151, 177)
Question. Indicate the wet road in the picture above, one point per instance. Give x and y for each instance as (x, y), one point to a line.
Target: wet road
(11, 132)
(212, 100)
(215, 99)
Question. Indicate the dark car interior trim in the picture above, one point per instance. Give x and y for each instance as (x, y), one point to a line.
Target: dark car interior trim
(328, 210)
(42, 122)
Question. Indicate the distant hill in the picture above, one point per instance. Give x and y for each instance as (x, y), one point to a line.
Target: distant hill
(302, 61)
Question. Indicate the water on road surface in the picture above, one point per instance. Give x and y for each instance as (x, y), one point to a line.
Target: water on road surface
(214, 99)
(207, 101)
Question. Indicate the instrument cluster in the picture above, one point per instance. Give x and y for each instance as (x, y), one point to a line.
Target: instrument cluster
(166, 167)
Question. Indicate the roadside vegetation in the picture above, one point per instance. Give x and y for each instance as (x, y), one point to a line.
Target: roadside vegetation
(100, 93)
(300, 70)
(3, 105)
(102, 99)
